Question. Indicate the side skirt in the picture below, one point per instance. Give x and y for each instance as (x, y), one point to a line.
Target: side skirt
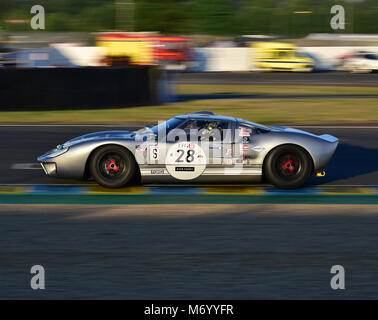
(215, 175)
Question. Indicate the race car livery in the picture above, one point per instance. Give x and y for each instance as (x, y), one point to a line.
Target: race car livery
(200, 147)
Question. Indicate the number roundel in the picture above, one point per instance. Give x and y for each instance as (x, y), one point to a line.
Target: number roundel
(185, 160)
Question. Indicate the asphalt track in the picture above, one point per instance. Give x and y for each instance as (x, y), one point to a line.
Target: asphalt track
(186, 251)
(192, 251)
(355, 162)
(189, 251)
(282, 78)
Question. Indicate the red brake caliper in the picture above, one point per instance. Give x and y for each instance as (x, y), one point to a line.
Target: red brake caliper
(288, 165)
(112, 166)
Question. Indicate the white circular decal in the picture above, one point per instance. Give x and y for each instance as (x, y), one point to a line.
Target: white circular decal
(185, 160)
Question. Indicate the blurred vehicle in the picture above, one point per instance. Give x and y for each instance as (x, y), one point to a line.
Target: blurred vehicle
(361, 61)
(7, 59)
(279, 56)
(247, 40)
(196, 147)
(173, 52)
(145, 48)
(38, 58)
(133, 48)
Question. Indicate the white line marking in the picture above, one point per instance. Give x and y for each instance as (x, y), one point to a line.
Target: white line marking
(26, 166)
(187, 185)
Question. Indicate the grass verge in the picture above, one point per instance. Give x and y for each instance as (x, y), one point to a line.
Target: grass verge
(302, 111)
(271, 89)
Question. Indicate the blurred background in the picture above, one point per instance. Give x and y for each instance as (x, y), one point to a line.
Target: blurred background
(119, 65)
(166, 51)
(171, 32)
(213, 17)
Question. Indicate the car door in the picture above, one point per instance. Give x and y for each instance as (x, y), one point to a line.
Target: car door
(246, 150)
(213, 136)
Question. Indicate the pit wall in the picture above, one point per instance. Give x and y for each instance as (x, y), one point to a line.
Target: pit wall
(89, 87)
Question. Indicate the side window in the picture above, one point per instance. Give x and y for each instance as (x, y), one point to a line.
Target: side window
(205, 129)
(192, 125)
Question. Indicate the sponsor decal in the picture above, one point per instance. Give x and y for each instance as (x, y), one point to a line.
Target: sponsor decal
(184, 169)
(244, 132)
(185, 161)
(140, 148)
(154, 156)
(157, 171)
(245, 147)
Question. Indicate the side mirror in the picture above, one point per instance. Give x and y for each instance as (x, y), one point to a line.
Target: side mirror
(150, 137)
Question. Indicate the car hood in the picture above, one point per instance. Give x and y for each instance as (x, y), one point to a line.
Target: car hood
(288, 129)
(128, 135)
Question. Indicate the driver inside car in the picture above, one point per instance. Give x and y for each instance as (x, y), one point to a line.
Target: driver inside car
(211, 131)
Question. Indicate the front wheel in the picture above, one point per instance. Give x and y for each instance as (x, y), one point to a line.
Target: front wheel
(112, 166)
(288, 167)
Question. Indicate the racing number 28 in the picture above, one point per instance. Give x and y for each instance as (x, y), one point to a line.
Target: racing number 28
(189, 156)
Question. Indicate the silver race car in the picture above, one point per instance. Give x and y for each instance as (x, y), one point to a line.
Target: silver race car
(195, 148)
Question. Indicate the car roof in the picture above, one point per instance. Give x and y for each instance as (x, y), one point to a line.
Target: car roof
(206, 115)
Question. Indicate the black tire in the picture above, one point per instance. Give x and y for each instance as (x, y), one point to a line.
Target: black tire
(112, 166)
(288, 167)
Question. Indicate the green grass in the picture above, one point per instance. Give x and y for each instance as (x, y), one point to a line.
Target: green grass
(271, 89)
(304, 111)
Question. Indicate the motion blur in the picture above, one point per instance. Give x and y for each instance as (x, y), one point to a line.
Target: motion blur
(214, 206)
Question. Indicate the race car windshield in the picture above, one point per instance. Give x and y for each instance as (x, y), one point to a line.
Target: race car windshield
(169, 125)
(269, 128)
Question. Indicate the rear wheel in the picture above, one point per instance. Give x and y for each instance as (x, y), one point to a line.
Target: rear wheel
(112, 166)
(288, 167)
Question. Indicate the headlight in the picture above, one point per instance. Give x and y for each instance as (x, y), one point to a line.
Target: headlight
(53, 153)
(58, 151)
